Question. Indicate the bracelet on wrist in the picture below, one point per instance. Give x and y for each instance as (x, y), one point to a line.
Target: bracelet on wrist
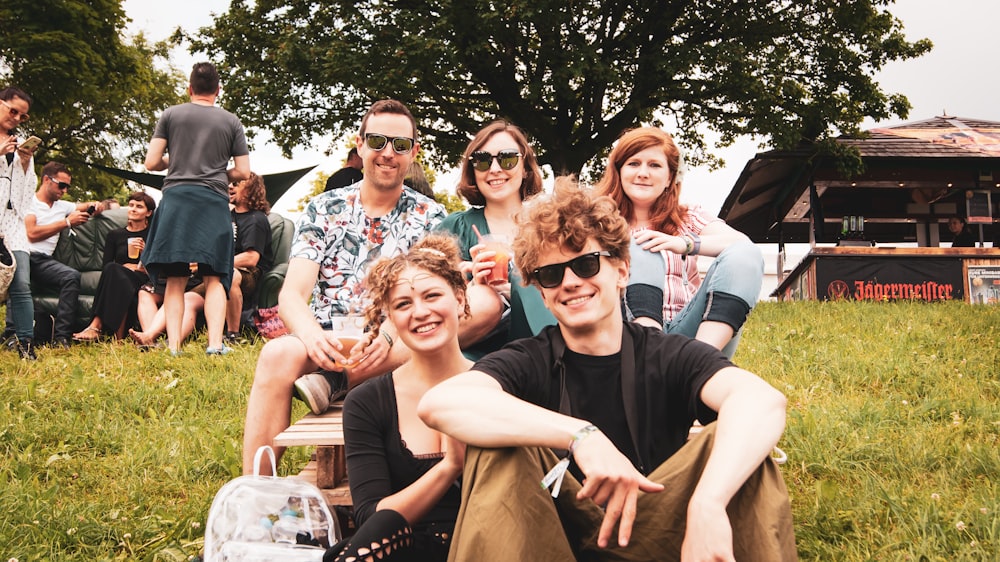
(68, 224)
(696, 244)
(580, 435)
(688, 244)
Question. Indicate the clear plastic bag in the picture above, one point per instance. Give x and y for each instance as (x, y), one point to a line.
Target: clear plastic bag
(269, 518)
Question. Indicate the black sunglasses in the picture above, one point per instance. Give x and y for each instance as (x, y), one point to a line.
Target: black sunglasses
(376, 142)
(584, 267)
(482, 160)
(62, 185)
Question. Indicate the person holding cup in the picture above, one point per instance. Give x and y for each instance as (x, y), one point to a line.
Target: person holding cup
(123, 274)
(404, 475)
(499, 172)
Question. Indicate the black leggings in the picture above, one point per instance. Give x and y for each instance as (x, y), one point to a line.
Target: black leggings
(386, 535)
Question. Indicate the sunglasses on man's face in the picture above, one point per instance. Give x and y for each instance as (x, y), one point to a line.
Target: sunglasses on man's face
(482, 160)
(584, 267)
(62, 185)
(377, 142)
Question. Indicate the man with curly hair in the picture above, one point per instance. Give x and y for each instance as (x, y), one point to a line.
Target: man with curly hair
(253, 253)
(621, 398)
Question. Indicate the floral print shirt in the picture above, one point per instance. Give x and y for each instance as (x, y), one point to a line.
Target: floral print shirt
(335, 232)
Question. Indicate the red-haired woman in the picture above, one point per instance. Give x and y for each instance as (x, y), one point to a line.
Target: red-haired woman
(665, 287)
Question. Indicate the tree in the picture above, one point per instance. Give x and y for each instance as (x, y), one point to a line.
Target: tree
(574, 74)
(95, 97)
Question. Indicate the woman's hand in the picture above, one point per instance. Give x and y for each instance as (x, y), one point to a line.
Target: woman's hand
(8, 143)
(25, 153)
(482, 265)
(370, 352)
(656, 241)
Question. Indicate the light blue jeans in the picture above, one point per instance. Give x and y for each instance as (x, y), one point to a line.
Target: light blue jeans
(738, 271)
(20, 309)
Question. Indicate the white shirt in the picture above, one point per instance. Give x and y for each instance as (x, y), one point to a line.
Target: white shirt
(47, 215)
(18, 186)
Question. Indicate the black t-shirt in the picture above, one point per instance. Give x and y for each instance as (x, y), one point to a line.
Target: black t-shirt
(595, 393)
(253, 232)
(670, 370)
(343, 177)
(116, 245)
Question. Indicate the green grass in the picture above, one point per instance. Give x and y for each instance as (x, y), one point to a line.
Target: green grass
(107, 453)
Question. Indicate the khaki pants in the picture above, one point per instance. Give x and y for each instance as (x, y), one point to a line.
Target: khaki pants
(506, 515)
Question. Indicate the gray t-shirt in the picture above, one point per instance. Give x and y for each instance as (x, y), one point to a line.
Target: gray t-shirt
(200, 141)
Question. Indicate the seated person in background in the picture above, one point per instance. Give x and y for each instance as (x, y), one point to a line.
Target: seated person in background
(340, 234)
(115, 301)
(349, 174)
(252, 246)
(49, 216)
(152, 317)
(666, 288)
(621, 398)
(110, 203)
(962, 237)
(403, 473)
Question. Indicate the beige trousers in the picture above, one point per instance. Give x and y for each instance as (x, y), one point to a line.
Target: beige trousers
(506, 515)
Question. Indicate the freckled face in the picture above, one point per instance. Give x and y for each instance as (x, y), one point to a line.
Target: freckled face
(645, 176)
(424, 309)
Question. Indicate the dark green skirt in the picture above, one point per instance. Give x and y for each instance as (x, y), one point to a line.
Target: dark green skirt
(192, 223)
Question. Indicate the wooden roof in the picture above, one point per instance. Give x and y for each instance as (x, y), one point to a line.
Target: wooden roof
(914, 172)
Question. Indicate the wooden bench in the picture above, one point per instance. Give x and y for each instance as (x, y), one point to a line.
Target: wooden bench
(328, 467)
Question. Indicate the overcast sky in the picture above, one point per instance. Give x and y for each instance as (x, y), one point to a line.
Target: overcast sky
(958, 75)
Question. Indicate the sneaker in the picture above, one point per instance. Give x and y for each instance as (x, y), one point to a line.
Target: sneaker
(26, 349)
(61, 342)
(319, 390)
(221, 350)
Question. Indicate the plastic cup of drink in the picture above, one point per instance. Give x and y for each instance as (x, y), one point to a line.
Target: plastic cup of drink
(349, 330)
(133, 248)
(499, 244)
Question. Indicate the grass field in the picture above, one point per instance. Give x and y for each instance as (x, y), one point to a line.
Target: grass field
(107, 453)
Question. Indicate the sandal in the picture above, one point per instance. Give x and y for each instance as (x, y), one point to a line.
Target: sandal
(81, 336)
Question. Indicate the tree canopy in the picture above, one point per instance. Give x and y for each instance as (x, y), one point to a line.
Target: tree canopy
(96, 96)
(574, 75)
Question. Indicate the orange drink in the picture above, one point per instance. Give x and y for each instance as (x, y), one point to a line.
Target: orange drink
(499, 244)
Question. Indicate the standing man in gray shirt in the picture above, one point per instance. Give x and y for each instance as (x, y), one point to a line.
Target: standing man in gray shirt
(192, 223)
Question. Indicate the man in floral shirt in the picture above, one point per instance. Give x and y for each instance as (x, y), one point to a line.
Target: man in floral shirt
(340, 234)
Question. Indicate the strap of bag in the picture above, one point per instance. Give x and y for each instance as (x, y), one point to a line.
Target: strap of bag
(259, 454)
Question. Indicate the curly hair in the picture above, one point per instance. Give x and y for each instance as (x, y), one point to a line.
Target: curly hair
(530, 185)
(437, 254)
(256, 194)
(667, 214)
(566, 219)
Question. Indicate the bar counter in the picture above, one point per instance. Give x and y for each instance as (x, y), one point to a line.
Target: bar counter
(888, 273)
